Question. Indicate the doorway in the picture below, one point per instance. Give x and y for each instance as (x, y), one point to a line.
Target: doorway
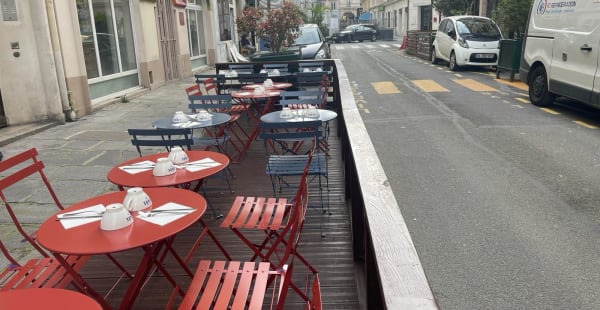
(167, 39)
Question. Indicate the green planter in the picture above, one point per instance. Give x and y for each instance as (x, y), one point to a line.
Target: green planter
(281, 56)
(509, 57)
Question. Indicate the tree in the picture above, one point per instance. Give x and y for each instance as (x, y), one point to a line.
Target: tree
(279, 25)
(511, 16)
(453, 7)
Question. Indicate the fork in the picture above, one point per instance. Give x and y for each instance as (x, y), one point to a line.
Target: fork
(155, 212)
(80, 212)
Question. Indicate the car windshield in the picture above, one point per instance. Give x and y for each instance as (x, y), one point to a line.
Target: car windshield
(477, 29)
(307, 36)
(348, 28)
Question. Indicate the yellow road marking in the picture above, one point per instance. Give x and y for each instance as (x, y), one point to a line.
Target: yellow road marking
(549, 111)
(474, 85)
(429, 86)
(517, 84)
(522, 100)
(584, 124)
(385, 88)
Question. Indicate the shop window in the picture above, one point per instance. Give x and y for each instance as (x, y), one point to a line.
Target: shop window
(196, 30)
(107, 37)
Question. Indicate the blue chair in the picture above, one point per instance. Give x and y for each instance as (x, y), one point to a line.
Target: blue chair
(161, 139)
(287, 145)
(302, 99)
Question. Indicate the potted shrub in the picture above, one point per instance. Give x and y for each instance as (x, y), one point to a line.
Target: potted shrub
(279, 25)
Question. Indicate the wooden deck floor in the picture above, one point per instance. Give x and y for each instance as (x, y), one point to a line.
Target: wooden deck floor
(331, 255)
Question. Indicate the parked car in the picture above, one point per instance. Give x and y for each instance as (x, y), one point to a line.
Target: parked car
(466, 41)
(357, 32)
(312, 43)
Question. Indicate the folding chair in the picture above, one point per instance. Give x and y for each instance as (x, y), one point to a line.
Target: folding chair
(301, 99)
(243, 285)
(311, 66)
(36, 272)
(213, 83)
(46, 271)
(161, 139)
(311, 80)
(286, 146)
(193, 90)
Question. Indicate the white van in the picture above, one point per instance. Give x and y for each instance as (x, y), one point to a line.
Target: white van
(561, 50)
(466, 41)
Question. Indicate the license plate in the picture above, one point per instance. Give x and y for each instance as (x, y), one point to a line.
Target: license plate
(484, 55)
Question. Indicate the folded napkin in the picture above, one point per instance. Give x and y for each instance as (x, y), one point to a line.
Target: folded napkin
(80, 217)
(138, 167)
(201, 164)
(164, 218)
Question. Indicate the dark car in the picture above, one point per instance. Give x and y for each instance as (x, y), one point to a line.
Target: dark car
(312, 43)
(358, 32)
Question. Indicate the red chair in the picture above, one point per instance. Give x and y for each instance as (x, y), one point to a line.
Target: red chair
(244, 285)
(17, 169)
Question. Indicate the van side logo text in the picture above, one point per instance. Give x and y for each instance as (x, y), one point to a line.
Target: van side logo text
(554, 7)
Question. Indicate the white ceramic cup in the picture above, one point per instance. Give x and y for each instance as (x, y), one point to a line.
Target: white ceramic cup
(115, 217)
(178, 155)
(312, 112)
(268, 83)
(259, 90)
(286, 113)
(179, 117)
(203, 115)
(163, 167)
(136, 199)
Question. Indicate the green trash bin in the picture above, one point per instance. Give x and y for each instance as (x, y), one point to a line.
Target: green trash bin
(509, 57)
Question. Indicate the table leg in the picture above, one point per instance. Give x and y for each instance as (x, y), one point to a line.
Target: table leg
(151, 251)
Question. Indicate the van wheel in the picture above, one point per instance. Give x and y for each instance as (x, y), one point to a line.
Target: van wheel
(373, 38)
(452, 63)
(538, 88)
(434, 59)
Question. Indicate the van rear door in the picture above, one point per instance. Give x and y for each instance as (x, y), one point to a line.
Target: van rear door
(575, 51)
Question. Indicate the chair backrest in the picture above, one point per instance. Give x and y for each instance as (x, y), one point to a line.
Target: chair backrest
(271, 67)
(301, 98)
(242, 68)
(306, 80)
(313, 65)
(282, 138)
(193, 90)
(215, 83)
(166, 138)
(17, 169)
(215, 103)
(252, 78)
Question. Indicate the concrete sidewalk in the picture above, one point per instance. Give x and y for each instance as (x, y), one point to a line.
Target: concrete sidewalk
(77, 155)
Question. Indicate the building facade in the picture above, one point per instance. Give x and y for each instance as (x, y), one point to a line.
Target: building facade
(77, 55)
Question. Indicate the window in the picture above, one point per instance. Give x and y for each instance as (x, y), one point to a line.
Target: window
(195, 30)
(425, 13)
(107, 37)
(225, 20)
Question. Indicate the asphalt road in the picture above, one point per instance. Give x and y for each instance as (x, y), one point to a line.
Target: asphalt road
(501, 197)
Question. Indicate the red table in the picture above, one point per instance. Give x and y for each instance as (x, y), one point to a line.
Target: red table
(46, 298)
(154, 240)
(146, 179)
